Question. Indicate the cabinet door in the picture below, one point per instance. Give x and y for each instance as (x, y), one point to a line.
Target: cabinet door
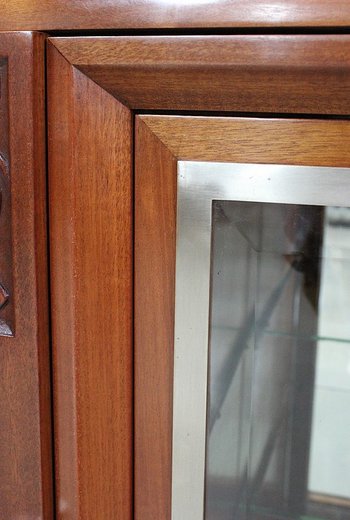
(97, 86)
(25, 415)
(242, 331)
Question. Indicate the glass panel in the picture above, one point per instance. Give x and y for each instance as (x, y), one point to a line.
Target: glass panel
(278, 420)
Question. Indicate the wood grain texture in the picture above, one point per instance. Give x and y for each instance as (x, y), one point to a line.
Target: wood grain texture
(254, 140)
(114, 14)
(90, 180)
(25, 415)
(155, 215)
(306, 74)
(160, 142)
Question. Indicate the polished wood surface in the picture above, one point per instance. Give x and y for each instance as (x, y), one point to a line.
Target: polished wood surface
(25, 415)
(90, 145)
(90, 136)
(305, 74)
(155, 213)
(284, 141)
(164, 14)
(160, 142)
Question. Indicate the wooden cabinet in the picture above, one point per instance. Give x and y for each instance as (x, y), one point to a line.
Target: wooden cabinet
(124, 114)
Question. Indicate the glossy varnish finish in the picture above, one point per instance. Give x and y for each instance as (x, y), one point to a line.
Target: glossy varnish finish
(25, 415)
(160, 143)
(155, 214)
(90, 138)
(305, 74)
(114, 14)
(93, 83)
(253, 140)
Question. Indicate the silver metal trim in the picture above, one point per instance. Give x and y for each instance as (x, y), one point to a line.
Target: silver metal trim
(199, 183)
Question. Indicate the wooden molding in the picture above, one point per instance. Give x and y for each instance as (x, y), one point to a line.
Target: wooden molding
(155, 216)
(167, 14)
(26, 484)
(300, 74)
(207, 139)
(90, 192)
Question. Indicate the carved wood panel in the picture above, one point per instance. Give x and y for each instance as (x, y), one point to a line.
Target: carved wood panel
(6, 281)
(26, 490)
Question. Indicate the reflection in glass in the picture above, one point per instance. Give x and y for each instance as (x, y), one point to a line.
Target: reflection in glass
(278, 441)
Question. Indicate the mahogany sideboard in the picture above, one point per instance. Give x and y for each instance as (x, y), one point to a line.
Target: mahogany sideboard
(100, 101)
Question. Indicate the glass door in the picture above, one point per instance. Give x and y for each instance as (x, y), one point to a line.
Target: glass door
(261, 414)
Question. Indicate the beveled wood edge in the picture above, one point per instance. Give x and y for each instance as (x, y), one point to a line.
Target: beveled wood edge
(91, 318)
(155, 230)
(63, 498)
(272, 50)
(305, 74)
(152, 14)
(207, 136)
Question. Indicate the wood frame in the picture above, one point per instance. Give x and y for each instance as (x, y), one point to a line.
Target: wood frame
(217, 72)
(161, 141)
(90, 143)
(153, 14)
(26, 487)
(95, 84)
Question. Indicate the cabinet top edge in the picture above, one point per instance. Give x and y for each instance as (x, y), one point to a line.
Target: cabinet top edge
(55, 15)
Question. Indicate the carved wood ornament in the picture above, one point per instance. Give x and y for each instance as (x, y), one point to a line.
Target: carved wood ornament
(6, 289)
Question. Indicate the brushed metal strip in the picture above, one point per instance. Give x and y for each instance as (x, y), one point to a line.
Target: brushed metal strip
(199, 183)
